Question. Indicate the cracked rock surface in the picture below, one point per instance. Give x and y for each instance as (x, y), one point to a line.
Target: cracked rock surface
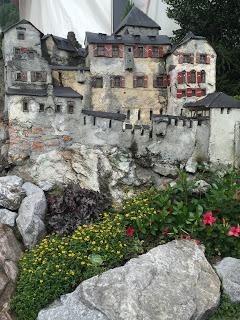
(172, 281)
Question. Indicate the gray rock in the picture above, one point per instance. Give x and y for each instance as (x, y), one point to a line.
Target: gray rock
(171, 282)
(31, 215)
(191, 166)
(45, 185)
(165, 169)
(8, 217)
(11, 192)
(229, 272)
(201, 187)
(10, 253)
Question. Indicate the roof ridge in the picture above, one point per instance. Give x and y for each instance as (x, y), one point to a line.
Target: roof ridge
(214, 98)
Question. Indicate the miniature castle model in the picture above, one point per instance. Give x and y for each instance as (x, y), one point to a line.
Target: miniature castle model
(57, 92)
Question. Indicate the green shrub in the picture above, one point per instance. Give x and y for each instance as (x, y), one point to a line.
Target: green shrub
(227, 310)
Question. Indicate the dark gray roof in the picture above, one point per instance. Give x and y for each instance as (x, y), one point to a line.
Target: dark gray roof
(66, 92)
(214, 100)
(27, 92)
(23, 21)
(137, 18)
(63, 92)
(127, 39)
(107, 115)
(61, 43)
(70, 68)
(189, 36)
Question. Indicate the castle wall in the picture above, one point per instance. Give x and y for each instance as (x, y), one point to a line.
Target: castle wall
(173, 65)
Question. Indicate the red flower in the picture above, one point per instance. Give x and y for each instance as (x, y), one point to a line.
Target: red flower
(234, 232)
(165, 231)
(208, 218)
(188, 237)
(130, 231)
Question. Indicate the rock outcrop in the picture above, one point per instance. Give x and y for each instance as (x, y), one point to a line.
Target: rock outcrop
(30, 220)
(10, 252)
(172, 281)
(11, 192)
(229, 272)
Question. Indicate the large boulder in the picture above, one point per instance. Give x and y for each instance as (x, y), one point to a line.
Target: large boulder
(229, 272)
(30, 220)
(172, 281)
(11, 192)
(10, 252)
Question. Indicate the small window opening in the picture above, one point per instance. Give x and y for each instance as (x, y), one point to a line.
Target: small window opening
(176, 122)
(25, 106)
(20, 35)
(139, 114)
(58, 108)
(128, 115)
(70, 108)
(110, 124)
(222, 110)
(41, 107)
(142, 132)
(151, 114)
(94, 121)
(150, 134)
(228, 110)
(84, 121)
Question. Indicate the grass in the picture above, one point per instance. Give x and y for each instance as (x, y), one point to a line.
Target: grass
(227, 310)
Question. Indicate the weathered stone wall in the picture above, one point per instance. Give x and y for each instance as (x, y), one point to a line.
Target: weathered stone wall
(56, 56)
(140, 30)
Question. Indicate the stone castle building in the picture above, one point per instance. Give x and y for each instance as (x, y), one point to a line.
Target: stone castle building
(57, 92)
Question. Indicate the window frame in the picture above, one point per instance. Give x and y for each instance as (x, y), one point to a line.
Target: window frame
(115, 51)
(70, 107)
(25, 106)
(58, 108)
(20, 34)
(138, 84)
(186, 58)
(193, 72)
(98, 82)
(201, 60)
(117, 82)
(141, 50)
(157, 52)
(100, 50)
(40, 107)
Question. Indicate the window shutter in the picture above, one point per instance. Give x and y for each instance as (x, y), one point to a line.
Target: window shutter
(108, 50)
(199, 92)
(198, 57)
(208, 59)
(192, 58)
(180, 78)
(122, 82)
(112, 82)
(165, 81)
(44, 76)
(150, 52)
(155, 82)
(145, 53)
(94, 82)
(24, 76)
(179, 93)
(168, 80)
(161, 52)
(33, 76)
(134, 82)
(180, 58)
(135, 52)
(189, 92)
(199, 77)
(95, 50)
(121, 50)
(145, 81)
(188, 77)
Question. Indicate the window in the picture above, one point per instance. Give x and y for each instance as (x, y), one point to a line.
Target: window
(140, 82)
(222, 109)
(101, 51)
(39, 76)
(129, 49)
(204, 92)
(41, 107)
(203, 76)
(203, 58)
(17, 51)
(21, 35)
(184, 77)
(139, 114)
(70, 107)
(25, 106)
(193, 76)
(140, 52)
(115, 51)
(151, 114)
(228, 110)
(155, 52)
(184, 94)
(186, 58)
(117, 82)
(58, 108)
(128, 114)
(31, 54)
(18, 76)
(193, 92)
(98, 82)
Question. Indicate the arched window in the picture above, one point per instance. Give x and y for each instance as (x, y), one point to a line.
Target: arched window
(193, 76)
(203, 76)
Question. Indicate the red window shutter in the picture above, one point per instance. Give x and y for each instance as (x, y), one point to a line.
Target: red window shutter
(95, 50)
(199, 92)
(134, 82)
(180, 58)
(168, 80)
(199, 77)
(188, 77)
(197, 57)
(161, 52)
(179, 94)
(122, 82)
(145, 81)
(189, 92)
(208, 59)
(108, 50)
(150, 52)
(121, 50)
(192, 58)
(180, 78)
(24, 50)
(135, 52)
(165, 81)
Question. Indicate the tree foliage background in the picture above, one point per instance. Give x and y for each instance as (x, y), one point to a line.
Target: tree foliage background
(219, 22)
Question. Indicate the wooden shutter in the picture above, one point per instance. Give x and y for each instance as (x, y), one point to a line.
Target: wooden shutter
(199, 92)
(33, 76)
(95, 53)
(192, 58)
(121, 50)
(122, 79)
(179, 93)
(145, 81)
(197, 57)
(208, 59)
(180, 78)
(188, 77)
(189, 92)
(180, 58)
(165, 81)
(161, 52)
(150, 52)
(168, 80)
(94, 82)
(199, 77)
(134, 82)
(135, 52)
(108, 50)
